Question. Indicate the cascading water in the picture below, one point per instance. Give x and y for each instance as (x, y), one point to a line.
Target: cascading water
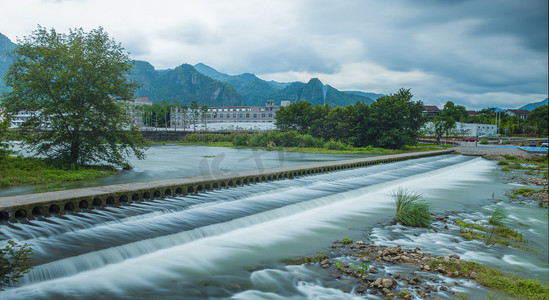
(208, 245)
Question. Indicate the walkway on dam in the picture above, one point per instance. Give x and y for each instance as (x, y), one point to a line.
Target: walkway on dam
(51, 203)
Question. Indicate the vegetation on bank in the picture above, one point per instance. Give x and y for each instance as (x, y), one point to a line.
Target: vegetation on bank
(294, 141)
(494, 279)
(34, 171)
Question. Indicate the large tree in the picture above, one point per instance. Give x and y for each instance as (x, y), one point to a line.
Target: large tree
(71, 80)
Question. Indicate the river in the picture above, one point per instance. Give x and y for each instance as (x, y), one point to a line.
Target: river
(231, 243)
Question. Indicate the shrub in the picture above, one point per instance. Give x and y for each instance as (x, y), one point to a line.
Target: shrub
(335, 145)
(241, 139)
(410, 209)
(14, 263)
(484, 141)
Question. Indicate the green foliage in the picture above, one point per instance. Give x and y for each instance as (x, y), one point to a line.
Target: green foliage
(207, 138)
(410, 209)
(497, 216)
(339, 266)
(71, 81)
(4, 135)
(15, 261)
(491, 278)
(484, 141)
(306, 260)
(362, 268)
(539, 120)
(393, 121)
(26, 170)
(346, 241)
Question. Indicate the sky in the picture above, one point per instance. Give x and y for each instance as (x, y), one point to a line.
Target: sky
(476, 53)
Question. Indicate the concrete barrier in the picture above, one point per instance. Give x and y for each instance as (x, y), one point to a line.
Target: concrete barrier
(61, 202)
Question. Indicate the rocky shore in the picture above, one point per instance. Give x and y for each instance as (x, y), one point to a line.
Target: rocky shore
(398, 284)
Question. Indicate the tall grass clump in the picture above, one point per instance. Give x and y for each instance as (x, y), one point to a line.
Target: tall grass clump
(410, 209)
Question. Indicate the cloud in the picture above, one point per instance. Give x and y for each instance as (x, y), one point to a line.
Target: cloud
(464, 50)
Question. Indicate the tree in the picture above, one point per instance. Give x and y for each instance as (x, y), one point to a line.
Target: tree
(443, 125)
(458, 112)
(395, 120)
(296, 116)
(15, 261)
(204, 115)
(4, 134)
(194, 112)
(538, 119)
(72, 81)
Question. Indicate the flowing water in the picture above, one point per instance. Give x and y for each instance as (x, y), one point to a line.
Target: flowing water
(230, 243)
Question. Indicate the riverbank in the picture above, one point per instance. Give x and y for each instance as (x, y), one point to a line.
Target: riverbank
(16, 171)
(371, 268)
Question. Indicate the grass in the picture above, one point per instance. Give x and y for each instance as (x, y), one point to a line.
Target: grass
(35, 171)
(306, 260)
(410, 209)
(491, 278)
(496, 234)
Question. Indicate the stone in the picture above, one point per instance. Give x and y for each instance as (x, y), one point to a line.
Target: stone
(387, 282)
(455, 256)
(386, 291)
(364, 259)
(473, 275)
(378, 282)
(427, 268)
(456, 273)
(360, 289)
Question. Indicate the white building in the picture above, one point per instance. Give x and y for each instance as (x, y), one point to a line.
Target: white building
(465, 129)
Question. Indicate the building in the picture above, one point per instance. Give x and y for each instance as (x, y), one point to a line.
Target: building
(521, 113)
(465, 130)
(229, 114)
(22, 117)
(431, 112)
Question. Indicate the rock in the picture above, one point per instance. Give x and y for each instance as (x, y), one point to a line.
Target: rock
(378, 282)
(325, 263)
(455, 256)
(407, 297)
(387, 282)
(386, 291)
(364, 259)
(427, 268)
(360, 289)
(473, 275)
(443, 288)
(456, 273)
(373, 270)
(446, 258)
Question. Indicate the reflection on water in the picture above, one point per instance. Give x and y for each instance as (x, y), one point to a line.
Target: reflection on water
(230, 243)
(174, 161)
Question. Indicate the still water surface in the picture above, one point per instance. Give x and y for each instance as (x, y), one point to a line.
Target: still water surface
(174, 161)
(230, 243)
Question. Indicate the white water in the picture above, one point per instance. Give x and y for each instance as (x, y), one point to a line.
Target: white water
(203, 246)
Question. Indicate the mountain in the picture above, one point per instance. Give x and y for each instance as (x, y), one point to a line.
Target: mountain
(183, 85)
(372, 96)
(534, 105)
(6, 46)
(256, 91)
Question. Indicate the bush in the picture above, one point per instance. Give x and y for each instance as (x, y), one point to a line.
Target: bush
(14, 263)
(241, 139)
(410, 210)
(484, 141)
(335, 145)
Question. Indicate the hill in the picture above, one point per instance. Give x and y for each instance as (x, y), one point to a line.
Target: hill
(534, 105)
(256, 91)
(183, 85)
(6, 45)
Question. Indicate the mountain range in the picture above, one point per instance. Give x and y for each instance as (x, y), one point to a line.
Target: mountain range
(210, 87)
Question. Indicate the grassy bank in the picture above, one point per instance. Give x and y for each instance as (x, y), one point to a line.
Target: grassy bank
(295, 142)
(35, 171)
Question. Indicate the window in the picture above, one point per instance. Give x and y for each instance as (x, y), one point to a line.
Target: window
(263, 115)
(228, 116)
(255, 115)
(248, 116)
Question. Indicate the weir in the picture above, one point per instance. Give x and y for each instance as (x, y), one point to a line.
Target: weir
(60, 202)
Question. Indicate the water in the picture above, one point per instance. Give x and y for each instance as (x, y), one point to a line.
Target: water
(230, 244)
(174, 161)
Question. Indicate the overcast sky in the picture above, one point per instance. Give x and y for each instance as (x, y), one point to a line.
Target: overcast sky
(477, 53)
